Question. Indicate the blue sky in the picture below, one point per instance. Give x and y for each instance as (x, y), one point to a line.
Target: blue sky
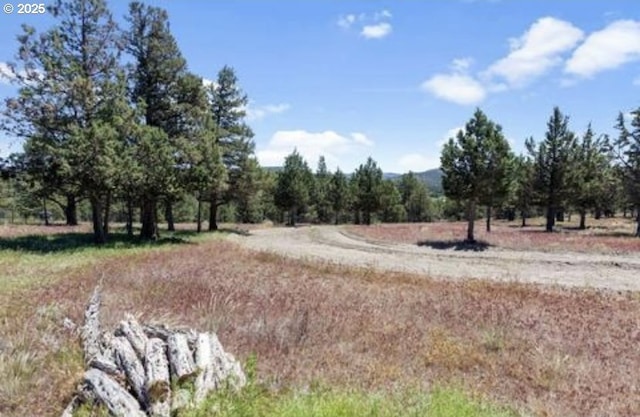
(393, 79)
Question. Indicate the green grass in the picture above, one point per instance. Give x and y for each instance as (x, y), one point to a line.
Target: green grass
(37, 259)
(256, 402)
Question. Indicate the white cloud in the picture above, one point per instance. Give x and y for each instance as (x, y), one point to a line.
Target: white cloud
(260, 112)
(311, 145)
(461, 65)
(6, 75)
(370, 26)
(382, 15)
(345, 22)
(538, 50)
(615, 45)
(417, 162)
(377, 31)
(361, 139)
(451, 133)
(457, 88)
(209, 83)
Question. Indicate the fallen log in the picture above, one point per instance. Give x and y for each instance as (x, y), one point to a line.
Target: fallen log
(147, 370)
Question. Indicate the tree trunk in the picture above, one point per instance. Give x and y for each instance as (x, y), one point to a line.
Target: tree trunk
(356, 217)
(213, 215)
(292, 216)
(337, 217)
(71, 210)
(471, 217)
(551, 219)
(46, 213)
(99, 235)
(168, 214)
(129, 218)
(367, 218)
(637, 221)
(149, 229)
(488, 219)
(107, 212)
(524, 218)
(598, 215)
(199, 216)
(560, 215)
(583, 219)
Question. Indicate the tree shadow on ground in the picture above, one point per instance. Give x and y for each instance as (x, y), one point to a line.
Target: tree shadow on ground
(234, 231)
(71, 242)
(461, 245)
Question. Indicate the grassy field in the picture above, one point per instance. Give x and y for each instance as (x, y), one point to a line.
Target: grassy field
(380, 341)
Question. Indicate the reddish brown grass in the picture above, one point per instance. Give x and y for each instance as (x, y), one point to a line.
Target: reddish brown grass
(552, 351)
(610, 236)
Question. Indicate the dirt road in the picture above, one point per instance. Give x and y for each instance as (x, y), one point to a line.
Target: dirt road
(333, 244)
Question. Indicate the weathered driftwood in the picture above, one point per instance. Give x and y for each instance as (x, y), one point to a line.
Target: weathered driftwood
(90, 332)
(180, 357)
(158, 384)
(141, 370)
(116, 398)
(131, 329)
(132, 367)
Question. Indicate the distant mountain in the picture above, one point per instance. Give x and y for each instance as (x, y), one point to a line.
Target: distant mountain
(431, 177)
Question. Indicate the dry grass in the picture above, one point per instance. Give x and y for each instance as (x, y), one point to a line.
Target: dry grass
(602, 236)
(554, 352)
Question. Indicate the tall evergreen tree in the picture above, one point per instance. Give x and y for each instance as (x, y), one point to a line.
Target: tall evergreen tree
(294, 183)
(469, 163)
(156, 73)
(415, 198)
(228, 108)
(367, 181)
(391, 207)
(626, 150)
(339, 195)
(589, 175)
(523, 186)
(68, 80)
(321, 192)
(553, 164)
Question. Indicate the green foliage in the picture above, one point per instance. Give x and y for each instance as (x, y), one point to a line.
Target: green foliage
(626, 150)
(415, 198)
(339, 194)
(590, 174)
(391, 208)
(523, 186)
(552, 165)
(321, 192)
(476, 166)
(366, 186)
(294, 182)
(67, 80)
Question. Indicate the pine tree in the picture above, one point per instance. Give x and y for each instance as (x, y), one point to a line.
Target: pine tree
(523, 184)
(66, 78)
(321, 192)
(156, 73)
(391, 208)
(339, 194)
(294, 182)
(415, 198)
(589, 174)
(473, 165)
(368, 189)
(626, 150)
(552, 165)
(228, 103)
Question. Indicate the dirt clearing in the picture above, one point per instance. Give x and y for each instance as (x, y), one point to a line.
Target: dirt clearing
(341, 246)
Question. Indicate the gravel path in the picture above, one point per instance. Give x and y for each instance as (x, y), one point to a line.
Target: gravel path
(333, 244)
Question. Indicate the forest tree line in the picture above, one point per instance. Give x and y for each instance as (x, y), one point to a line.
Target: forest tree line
(116, 128)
